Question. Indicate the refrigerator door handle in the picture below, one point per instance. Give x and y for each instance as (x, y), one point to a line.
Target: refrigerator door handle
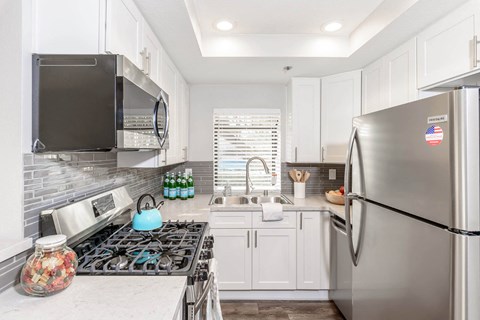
(348, 196)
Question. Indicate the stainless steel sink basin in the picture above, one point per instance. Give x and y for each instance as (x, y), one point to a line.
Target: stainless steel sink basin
(270, 199)
(229, 200)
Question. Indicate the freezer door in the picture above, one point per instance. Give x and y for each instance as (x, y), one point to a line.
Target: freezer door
(422, 158)
(403, 269)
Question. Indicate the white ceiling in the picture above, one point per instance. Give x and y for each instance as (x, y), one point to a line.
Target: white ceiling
(283, 16)
(259, 53)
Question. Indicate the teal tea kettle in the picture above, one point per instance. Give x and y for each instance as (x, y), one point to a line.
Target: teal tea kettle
(148, 218)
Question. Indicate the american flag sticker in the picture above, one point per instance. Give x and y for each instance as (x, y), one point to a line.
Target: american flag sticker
(434, 135)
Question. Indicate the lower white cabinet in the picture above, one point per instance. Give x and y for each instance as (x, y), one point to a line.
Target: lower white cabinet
(313, 250)
(284, 255)
(274, 259)
(234, 254)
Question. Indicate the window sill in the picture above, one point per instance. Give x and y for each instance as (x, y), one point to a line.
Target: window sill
(10, 248)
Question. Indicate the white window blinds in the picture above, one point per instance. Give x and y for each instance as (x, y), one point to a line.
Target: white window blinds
(239, 134)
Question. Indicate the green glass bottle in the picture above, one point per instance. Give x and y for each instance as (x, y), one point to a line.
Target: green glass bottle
(191, 187)
(184, 188)
(172, 188)
(179, 182)
(166, 182)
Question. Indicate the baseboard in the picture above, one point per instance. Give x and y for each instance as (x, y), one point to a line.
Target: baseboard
(320, 295)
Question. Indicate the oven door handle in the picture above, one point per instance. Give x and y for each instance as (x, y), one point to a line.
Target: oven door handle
(203, 296)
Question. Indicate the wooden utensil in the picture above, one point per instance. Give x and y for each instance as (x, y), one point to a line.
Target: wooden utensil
(298, 174)
(292, 175)
(306, 176)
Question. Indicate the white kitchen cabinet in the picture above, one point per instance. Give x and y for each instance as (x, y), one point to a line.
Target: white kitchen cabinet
(230, 220)
(446, 48)
(141, 159)
(313, 250)
(124, 30)
(373, 87)
(341, 102)
(303, 120)
(274, 259)
(182, 126)
(391, 80)
(151, 54)
(233, 251)
(69, 26)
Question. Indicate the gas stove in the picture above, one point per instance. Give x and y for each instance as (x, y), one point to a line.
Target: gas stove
(99, 229)
(173, 249)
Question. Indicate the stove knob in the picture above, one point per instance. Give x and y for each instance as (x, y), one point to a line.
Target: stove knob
(206, 255)
(210, 238)
(201, 275)
(208, 244)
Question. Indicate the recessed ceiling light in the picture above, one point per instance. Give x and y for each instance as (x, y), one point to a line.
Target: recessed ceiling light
(333, 26)
(224, 25)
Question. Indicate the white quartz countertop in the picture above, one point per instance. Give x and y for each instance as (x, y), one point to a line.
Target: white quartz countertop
(198, 209)
(100, 297)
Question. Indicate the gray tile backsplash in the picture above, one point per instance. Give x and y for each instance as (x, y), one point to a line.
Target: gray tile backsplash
(318, 182)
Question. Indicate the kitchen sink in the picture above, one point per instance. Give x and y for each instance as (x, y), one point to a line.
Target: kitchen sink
(229, 200)
(270, 199)
(249, 200)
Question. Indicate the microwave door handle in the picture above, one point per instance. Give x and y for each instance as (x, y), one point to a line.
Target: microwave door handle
(155, 123)
(166, 128)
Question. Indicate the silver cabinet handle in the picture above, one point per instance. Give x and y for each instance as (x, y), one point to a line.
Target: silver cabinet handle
(323, 154)
(296, 149)
(143, 53)
(185, 154)
(475, 55)
(148, 59)
(301, 220)
(248, 238)
(348, 226)
(255, 238)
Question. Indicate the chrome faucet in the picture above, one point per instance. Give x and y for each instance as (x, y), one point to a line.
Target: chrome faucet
(247, 172)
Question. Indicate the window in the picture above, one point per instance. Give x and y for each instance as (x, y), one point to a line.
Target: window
(239, 134)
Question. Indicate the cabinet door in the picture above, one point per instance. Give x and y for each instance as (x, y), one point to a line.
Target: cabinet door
(373, 87)
(308, 250)
(341, 102)
(143, 159)
(274, 259)
(182, 120)
(234, 255)
(124, 28)
(445, 49)
(168, 82)
(400, 68)
(151, 54)
(305, 108)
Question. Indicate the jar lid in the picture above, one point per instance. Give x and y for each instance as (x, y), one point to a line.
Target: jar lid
(49, 242)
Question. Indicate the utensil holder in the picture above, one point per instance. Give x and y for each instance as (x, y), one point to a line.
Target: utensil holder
(299, 189)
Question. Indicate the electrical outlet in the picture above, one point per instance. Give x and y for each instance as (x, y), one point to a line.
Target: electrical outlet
(332, 174)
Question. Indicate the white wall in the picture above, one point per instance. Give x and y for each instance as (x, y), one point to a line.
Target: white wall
(205, 98)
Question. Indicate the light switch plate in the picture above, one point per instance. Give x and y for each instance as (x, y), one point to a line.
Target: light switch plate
(332, 174)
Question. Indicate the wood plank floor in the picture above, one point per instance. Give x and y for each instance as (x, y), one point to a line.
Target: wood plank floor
(280, 310)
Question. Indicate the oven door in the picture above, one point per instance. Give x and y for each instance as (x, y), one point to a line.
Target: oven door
(142, 119)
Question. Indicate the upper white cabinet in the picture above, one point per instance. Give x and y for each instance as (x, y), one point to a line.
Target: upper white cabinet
(303, 120)
(391, 80)
(341, 102)
(446, 49)
(124, 30)
(151, 54)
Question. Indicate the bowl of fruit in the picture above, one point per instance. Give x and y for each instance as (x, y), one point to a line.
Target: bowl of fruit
(336, 196)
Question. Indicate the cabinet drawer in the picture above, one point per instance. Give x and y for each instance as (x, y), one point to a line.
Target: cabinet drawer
(289, 221)
(230, 220)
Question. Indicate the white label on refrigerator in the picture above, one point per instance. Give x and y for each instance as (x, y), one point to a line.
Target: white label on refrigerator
(434, 135)
(437, 119)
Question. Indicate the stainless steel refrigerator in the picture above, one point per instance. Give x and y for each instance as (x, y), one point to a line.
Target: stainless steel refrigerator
(415, 235)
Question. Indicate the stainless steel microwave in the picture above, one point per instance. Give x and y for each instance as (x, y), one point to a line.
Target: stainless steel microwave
(94, 103)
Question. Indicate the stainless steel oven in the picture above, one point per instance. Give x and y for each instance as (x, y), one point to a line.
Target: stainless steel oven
(96, 102)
